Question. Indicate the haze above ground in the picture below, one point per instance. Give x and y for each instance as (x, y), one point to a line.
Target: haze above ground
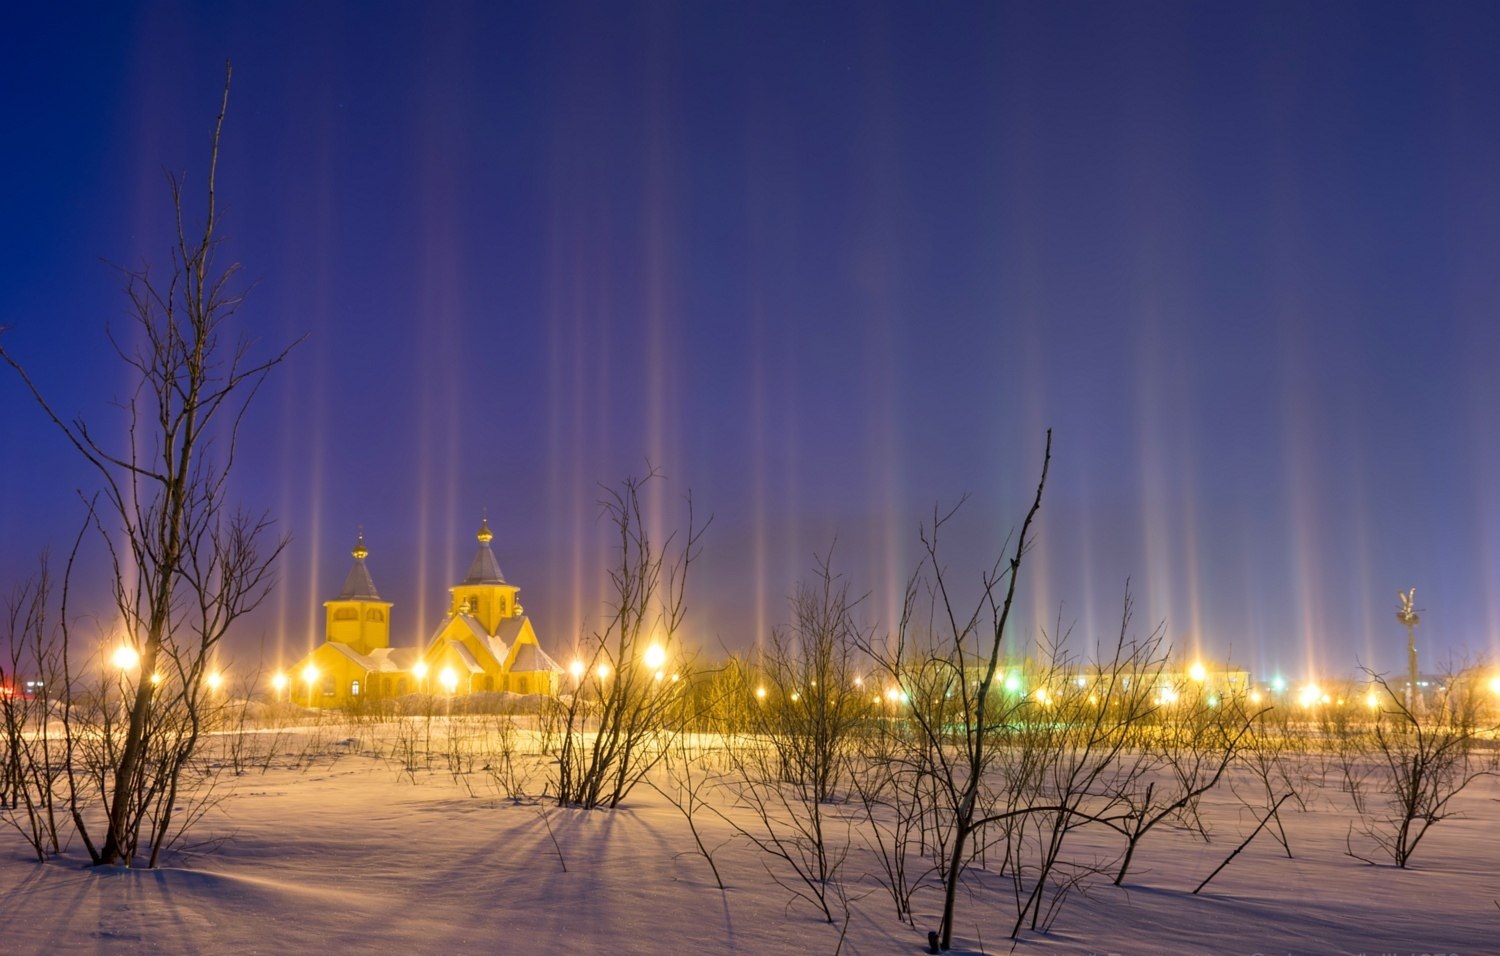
(824, 267)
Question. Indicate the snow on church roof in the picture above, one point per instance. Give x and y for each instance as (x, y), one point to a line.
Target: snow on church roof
(484, 569)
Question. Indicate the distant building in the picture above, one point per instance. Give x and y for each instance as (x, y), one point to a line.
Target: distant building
(485, 643)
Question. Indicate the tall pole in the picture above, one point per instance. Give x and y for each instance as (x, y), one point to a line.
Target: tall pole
(1407, 614)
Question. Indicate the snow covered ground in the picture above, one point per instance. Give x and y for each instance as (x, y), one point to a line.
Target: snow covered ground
(339, 847)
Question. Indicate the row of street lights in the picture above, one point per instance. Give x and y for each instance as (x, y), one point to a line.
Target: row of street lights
(654, 659)
(126, 658)
(447, 678)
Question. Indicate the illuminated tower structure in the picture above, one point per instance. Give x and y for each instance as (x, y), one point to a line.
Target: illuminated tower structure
(486, 641)
(358, 617)
(356, 645)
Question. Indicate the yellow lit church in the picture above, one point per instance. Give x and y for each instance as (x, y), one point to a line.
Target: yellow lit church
(485, 643)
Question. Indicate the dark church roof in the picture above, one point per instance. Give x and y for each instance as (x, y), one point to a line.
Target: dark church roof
(359, 586)
(484, 569)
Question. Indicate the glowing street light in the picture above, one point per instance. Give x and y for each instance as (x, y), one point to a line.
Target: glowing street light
(760, 693)
(449, 679)
(1309, 695)
(1198, 672)
(310, 675)
(655, 657)
(214, 680)
(577, 669)
(602, 671)
(125, 657)
(419, 671)
(278, 683)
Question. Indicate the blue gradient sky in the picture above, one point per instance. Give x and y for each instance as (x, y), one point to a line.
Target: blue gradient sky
(826, 265)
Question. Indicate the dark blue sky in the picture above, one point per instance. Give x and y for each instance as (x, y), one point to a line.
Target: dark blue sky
(826, 265)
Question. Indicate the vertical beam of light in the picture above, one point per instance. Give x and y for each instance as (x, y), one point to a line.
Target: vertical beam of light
(303, 415)
(440, 324)
(758, 315)
(880, 257)
(663, 327)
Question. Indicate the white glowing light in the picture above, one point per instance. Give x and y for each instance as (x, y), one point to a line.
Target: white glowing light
(125, 657)
(760, 693)
(279, 681)
(1309, 695)
(213, 680)
(419, 670)
(310, 674)
(449, 679)
(602, 671)
(655, 657)
(1198, 672)
(576, 669)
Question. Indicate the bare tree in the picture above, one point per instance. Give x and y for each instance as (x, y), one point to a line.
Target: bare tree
(950, 673)
(1423, 760)
(630, 683)
(805, 725)
(30, 675)
(190, 565)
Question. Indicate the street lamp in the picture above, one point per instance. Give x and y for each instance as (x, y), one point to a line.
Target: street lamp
(655, 657)
(125, 657)
(278, 683)
(1407, 614)
(214, 680)
(419, 671)
(449, 680)
(310, 674)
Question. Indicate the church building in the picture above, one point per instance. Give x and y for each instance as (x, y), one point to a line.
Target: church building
(485, 643)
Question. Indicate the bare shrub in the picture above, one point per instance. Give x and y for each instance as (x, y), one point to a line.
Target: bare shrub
(628, 703)
(1422, 761)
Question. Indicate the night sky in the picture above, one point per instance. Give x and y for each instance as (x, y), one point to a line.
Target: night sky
(826, 266)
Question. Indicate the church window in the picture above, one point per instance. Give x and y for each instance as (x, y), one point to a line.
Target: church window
(375, 614)
(329, 688)
(354, 688)
(346, 614)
